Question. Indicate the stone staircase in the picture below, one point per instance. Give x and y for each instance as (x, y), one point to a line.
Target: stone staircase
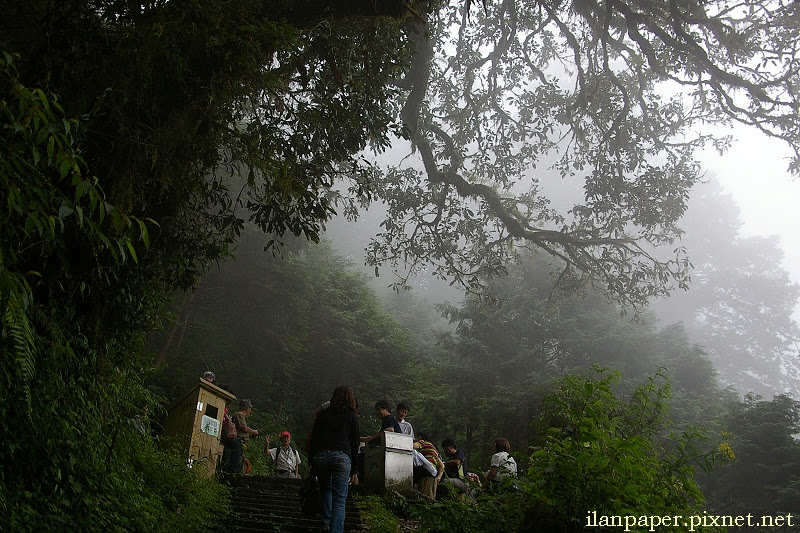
(261, 503)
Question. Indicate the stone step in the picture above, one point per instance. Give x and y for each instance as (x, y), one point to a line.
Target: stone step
(260, 508)
(252, 526)
(286, 524)
(265, 483)
(262, 503)
(351, 509)
(257, 527)
(278, 500)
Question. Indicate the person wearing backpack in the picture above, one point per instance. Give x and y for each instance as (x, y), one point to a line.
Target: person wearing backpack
(227, 437)
(502, 464)
(242, 433)
(286, 459)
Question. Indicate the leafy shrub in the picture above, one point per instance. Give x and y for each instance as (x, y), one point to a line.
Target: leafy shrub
(490, 513)
(602, 454)
(76, 454)
(377, 514)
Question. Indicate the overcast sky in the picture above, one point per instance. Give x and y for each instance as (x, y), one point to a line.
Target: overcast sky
(754, 172)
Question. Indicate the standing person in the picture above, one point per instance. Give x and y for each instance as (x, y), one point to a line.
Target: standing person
(502, 464)
(402, 410)
(287, 460)
(228, 439)
(243, 432)
(334, 449)
(388, 422)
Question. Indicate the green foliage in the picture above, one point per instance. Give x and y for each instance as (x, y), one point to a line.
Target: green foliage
(80, 455)
(376, 514)
(491, 514)
(604, 454)
(502, 357)
(158, 493)
(204, 114)
(51, 210)
(85, 459)
(762, 477)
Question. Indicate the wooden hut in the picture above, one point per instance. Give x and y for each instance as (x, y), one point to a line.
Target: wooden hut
(194, 422)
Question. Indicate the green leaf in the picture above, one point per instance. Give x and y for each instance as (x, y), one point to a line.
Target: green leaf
(41, 135)
(116, 219)
(132, 251)
(143, 233)
(64, 211)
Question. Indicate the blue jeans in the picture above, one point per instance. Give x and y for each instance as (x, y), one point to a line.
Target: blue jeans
(333, 473)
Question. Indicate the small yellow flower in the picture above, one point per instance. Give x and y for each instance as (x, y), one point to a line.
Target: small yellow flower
(727, 452)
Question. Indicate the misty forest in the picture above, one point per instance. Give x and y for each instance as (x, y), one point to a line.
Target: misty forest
(491, 210)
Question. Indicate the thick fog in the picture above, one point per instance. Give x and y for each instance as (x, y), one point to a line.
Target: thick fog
(742, 304)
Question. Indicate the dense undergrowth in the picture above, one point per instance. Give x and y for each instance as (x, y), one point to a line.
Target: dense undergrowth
(599, 453)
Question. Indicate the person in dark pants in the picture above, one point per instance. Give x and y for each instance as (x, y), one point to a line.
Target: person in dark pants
(334, 449)
(243, 432)
(455, 467)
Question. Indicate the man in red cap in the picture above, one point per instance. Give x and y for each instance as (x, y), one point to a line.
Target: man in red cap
(287, 460)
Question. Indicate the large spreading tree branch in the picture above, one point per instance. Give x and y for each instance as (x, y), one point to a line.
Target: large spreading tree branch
(480, 125)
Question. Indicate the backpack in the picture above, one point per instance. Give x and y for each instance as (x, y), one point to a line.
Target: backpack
(228, 430)
(294, 454)
(309, 496)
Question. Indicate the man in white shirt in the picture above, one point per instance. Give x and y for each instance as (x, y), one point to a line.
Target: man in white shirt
(405, 426)
(286, 459)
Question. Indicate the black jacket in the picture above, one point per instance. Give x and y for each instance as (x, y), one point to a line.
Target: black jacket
(336, 429)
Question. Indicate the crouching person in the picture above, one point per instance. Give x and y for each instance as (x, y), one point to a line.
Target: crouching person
(455, 468)
(428, 466)
(502, 464)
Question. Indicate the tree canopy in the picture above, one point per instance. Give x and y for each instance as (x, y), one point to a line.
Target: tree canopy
(490, 97)
(612, 92)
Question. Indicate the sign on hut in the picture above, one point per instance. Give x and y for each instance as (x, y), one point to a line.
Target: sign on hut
(194, 422)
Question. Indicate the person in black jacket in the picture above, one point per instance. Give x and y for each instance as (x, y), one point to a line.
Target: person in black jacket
(334, 452)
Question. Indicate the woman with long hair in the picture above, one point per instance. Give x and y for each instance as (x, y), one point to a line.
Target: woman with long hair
(334, 453)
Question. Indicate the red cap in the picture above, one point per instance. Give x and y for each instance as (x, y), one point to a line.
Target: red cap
(286, 434)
